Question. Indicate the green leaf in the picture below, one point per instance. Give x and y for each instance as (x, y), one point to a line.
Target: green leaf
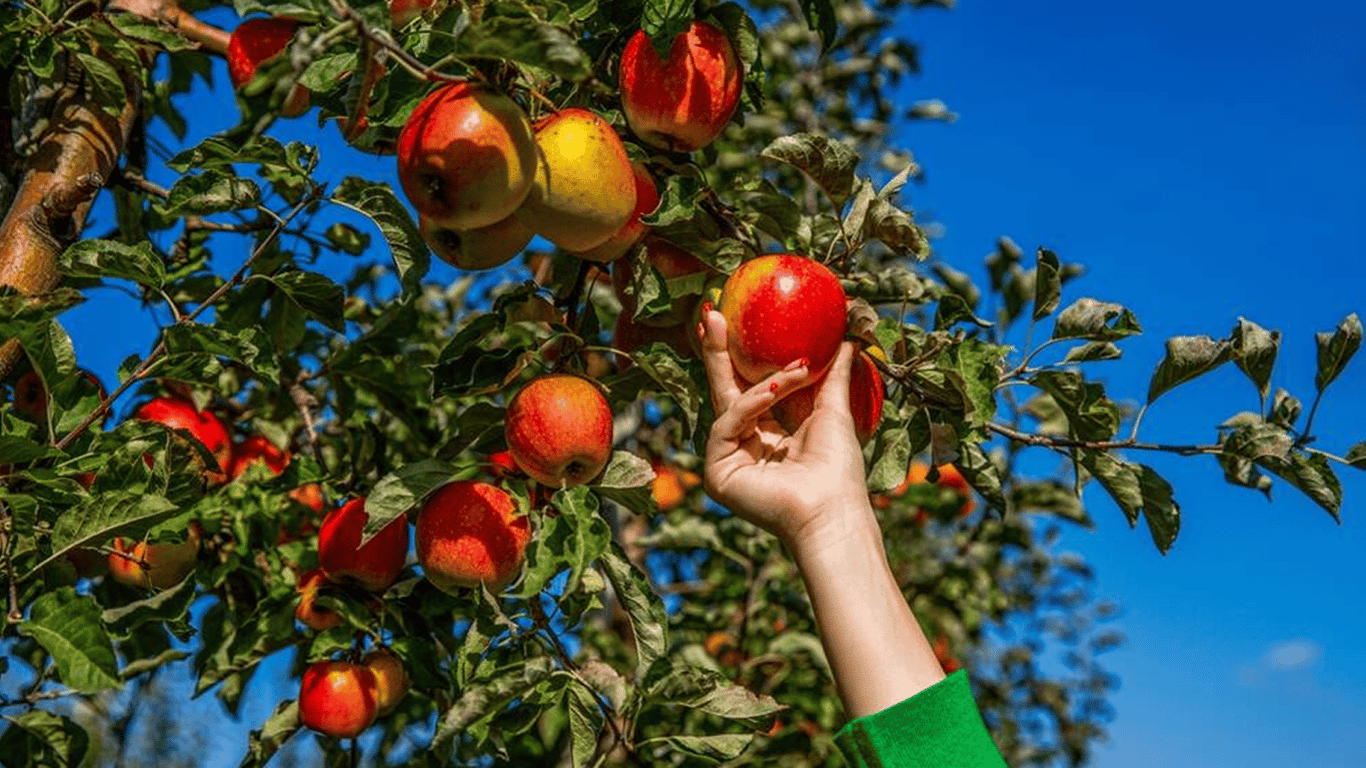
(585, 721)
(1047, 284)
(626, 480)
(1092, 351)
(978, 365)
(105, 79)
(662, 20)
(112, 259)
(526, 41)
(890, 467)
(574, 538)
(1312, 475)
(378, 202)
(735, 702)
(316, 295)
(273, 733)
(649, 620)
(21, 450)
(1356, 457)
(1187, 358)
(40, 737)
(828, 162)
(166, 605)
(663, 366)
(1095, 321)
(1336, 349)
(211, 192)
(1137, 489)
(402, 490)
(249, 347)
(820, 18)
(481, 701)
(714, 748)
(1090, 413)
(68, 627)
(1254, 351)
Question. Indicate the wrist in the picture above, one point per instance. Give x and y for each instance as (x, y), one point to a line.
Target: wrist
(842, 528)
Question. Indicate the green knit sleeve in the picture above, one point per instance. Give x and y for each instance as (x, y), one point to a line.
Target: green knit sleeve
(939, 727)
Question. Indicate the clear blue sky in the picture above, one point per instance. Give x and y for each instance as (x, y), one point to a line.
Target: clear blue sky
(1205, 162)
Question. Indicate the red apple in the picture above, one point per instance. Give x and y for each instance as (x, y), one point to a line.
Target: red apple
(338, 698)
(472, 249)
(391, 679)
(681, 103)
(866, 393)
(780, 308)
(469, 532)
(628, 335)
(401, 12)
(671, 485)
(585, 190)
(307, 611)
(559, 430)
(154, 565)
(647, 199)
(374, 566)
(257, 449)
(30, 396)
(467, 157)
(259, 40)
(204, 426)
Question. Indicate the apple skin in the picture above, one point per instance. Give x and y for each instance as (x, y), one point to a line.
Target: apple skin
(559, 430)
(338, 698)
(780, 308)
(584, 190)
(168, 563)
(374, 566)
(866, 393)
(30, 396)
(466, 156)
(647, 200)
(307, 611)
(401, 12)
(682, 103)
(391, 679)
(257, 448)
(255, 41)
(474, 249)
(671, 485)
(469, 533)
(204, 426)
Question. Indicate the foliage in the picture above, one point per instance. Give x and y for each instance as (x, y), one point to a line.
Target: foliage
(636, 635)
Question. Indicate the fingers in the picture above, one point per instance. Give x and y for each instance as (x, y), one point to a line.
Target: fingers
(834, 392)
(716, 359)
(744, 410)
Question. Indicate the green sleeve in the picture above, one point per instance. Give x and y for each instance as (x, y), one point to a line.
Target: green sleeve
(939, 727)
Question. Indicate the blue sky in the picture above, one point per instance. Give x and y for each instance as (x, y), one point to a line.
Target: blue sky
(1204, 161)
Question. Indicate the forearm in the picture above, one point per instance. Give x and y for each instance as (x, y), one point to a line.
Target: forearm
(877, 651)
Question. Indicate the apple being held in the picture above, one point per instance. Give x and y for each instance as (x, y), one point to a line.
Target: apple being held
(469, 533)
(255, 41)
(647, 199)
(866, 393)
(204, 426)
(559, 430)
(780, 308)
(584, 190)
(481, 248)
(373, 566)
(338, 698)
(683, 102)
(466, 156)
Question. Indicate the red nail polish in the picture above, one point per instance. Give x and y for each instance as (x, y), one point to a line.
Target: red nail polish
(773, 387)
(707, 307)
(805, 363)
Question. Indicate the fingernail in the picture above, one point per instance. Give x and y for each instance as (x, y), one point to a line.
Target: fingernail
(795, 364)
(707, 307)
(773, 387)
(805, 363)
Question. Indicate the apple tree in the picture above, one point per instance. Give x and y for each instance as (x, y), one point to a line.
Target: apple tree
(301, 312)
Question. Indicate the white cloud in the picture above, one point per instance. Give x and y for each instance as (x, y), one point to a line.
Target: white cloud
(1288, 655)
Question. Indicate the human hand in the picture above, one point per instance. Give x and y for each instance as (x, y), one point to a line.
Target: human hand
(791, 485)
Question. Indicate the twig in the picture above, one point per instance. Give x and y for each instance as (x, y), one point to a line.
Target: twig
(160, 350)
(14, 614)
(1050, 441)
